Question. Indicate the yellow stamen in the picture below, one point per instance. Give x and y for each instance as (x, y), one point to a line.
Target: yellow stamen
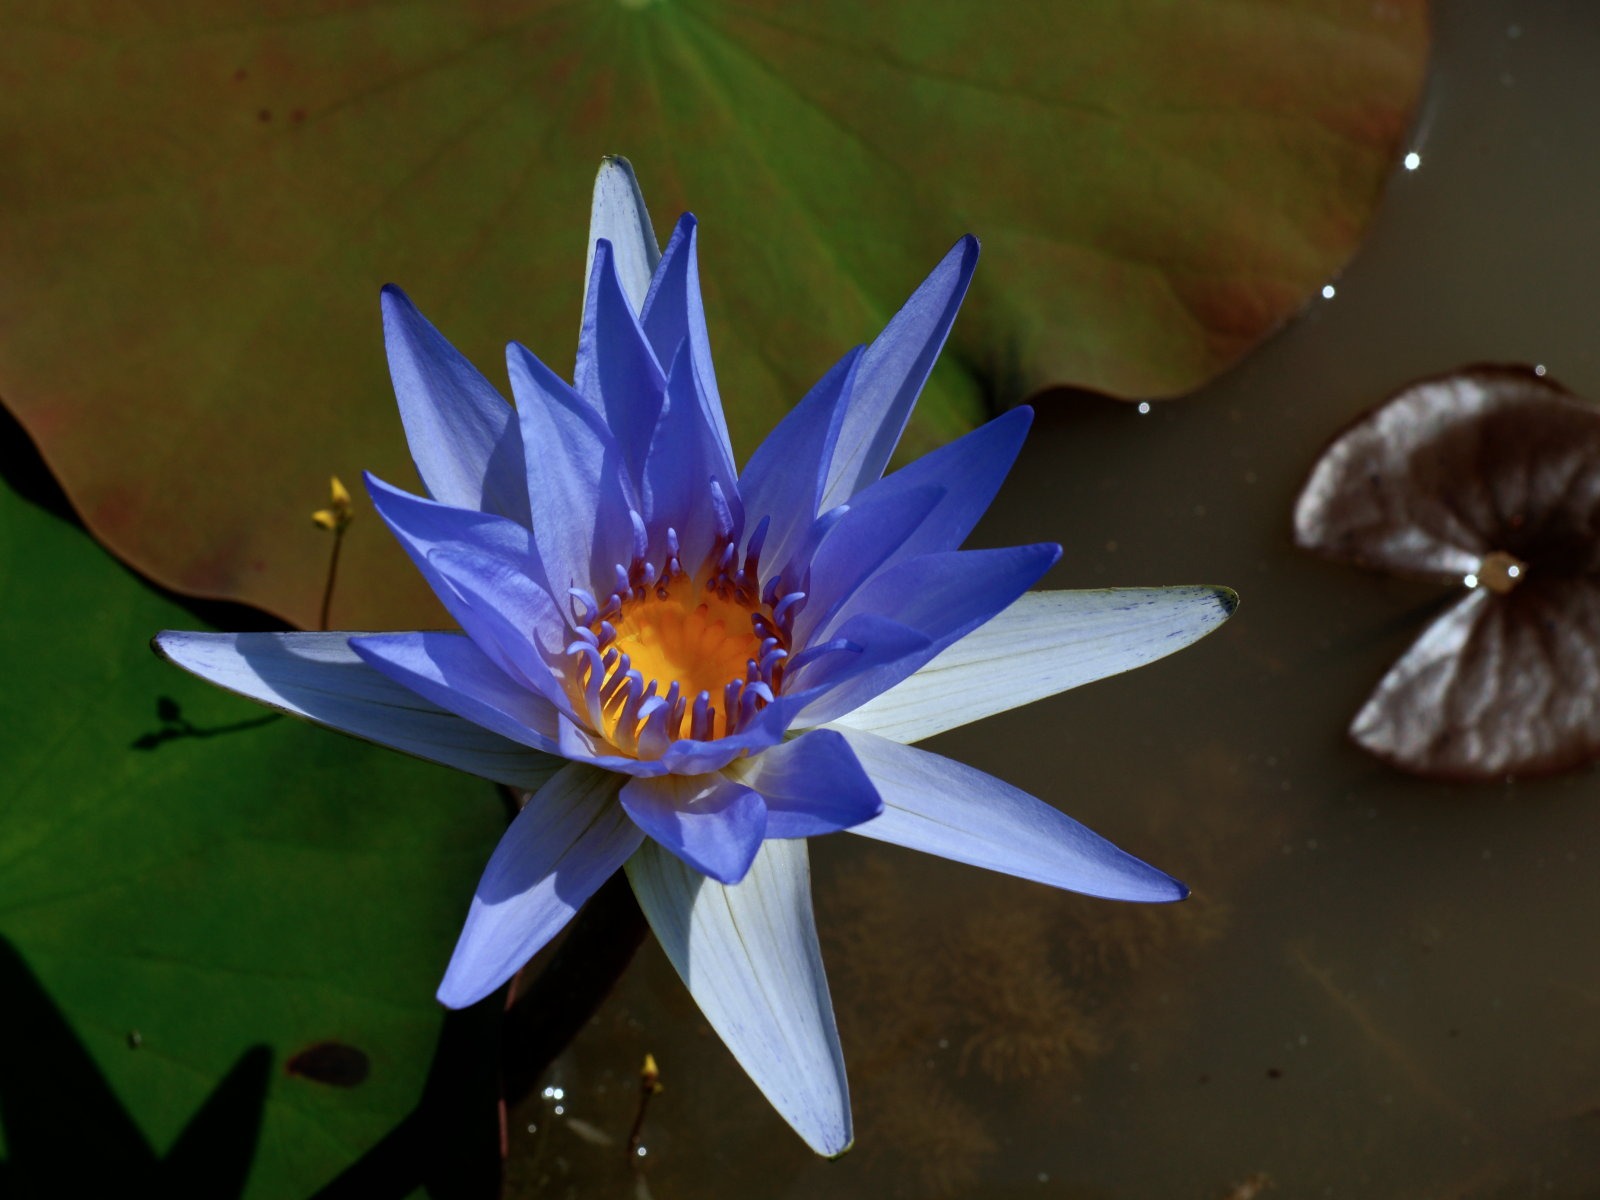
(698, 639)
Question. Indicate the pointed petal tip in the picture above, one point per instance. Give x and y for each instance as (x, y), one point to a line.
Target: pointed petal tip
(1228, 599)
(390, 293)
(462, 989)
(454, 996)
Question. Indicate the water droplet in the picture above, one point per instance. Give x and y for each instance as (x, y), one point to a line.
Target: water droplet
(1412, 161)
(1144, 408)
(1328, 291)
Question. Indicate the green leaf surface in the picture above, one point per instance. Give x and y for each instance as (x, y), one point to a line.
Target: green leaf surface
(199, 201)
(195, 883)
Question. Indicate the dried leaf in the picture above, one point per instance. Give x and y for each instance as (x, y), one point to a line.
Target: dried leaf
(1489, 479)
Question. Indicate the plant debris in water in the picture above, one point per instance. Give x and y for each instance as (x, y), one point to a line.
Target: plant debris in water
(1486, 479)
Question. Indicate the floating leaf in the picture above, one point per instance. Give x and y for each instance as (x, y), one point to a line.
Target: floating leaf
(1488, 479)
(198, 203)
(181, 898)
(52, 1096)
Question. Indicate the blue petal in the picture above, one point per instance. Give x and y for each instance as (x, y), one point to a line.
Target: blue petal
(893, 371)
(873, 645)
(749, 956)
(449, 670)
(568, 839)
(868, 535)
(882, 644)
(812, 785)
(462, 434)
(483, 569)
(711, 823)
(578, 489)
(970, 469)
(783, 479)
(943, 596)
(318, 677)
(684, 459)
(579, 744)
(689, 757)
(673, 315)
(618, 215)
(946, 808)
(617, 371)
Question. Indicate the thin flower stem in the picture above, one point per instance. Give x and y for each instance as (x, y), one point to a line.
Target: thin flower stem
(649, 1085)
(333, 575)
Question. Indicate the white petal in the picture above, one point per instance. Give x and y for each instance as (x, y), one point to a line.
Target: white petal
(749, 956)
(317, 676)
(1045, 643)
(619, 215)
(943, 807)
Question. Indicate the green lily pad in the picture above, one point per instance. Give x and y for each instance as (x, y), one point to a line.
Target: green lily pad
(199, 202)
(201, 917)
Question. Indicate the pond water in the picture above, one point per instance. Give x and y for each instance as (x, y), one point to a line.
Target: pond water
(1381, 986)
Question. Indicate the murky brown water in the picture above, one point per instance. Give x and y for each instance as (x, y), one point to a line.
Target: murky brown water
(1382, 987)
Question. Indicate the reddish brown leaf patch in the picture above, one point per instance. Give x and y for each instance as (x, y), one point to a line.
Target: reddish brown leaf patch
(332, 1063)
(1488, 479)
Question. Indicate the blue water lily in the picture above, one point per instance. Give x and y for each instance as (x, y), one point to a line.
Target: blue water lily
(694, 668)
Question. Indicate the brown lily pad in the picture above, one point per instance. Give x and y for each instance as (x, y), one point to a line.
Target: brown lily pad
(1487, 478)
(199, 202)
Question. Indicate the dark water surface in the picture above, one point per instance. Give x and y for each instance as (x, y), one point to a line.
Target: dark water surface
(1382, 986)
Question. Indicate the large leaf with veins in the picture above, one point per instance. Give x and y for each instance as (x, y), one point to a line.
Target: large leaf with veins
(207, 892)
(199, 201)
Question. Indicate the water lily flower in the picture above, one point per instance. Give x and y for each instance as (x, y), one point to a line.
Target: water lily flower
(694, 668)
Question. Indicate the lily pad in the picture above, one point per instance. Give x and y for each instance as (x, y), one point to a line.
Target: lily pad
(199, 202)
(1487, 479)
(202, 919)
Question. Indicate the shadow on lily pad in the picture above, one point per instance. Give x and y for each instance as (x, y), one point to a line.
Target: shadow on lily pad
(67, 1134)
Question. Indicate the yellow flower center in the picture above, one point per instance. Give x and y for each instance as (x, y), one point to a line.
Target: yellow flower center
(702, 641)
